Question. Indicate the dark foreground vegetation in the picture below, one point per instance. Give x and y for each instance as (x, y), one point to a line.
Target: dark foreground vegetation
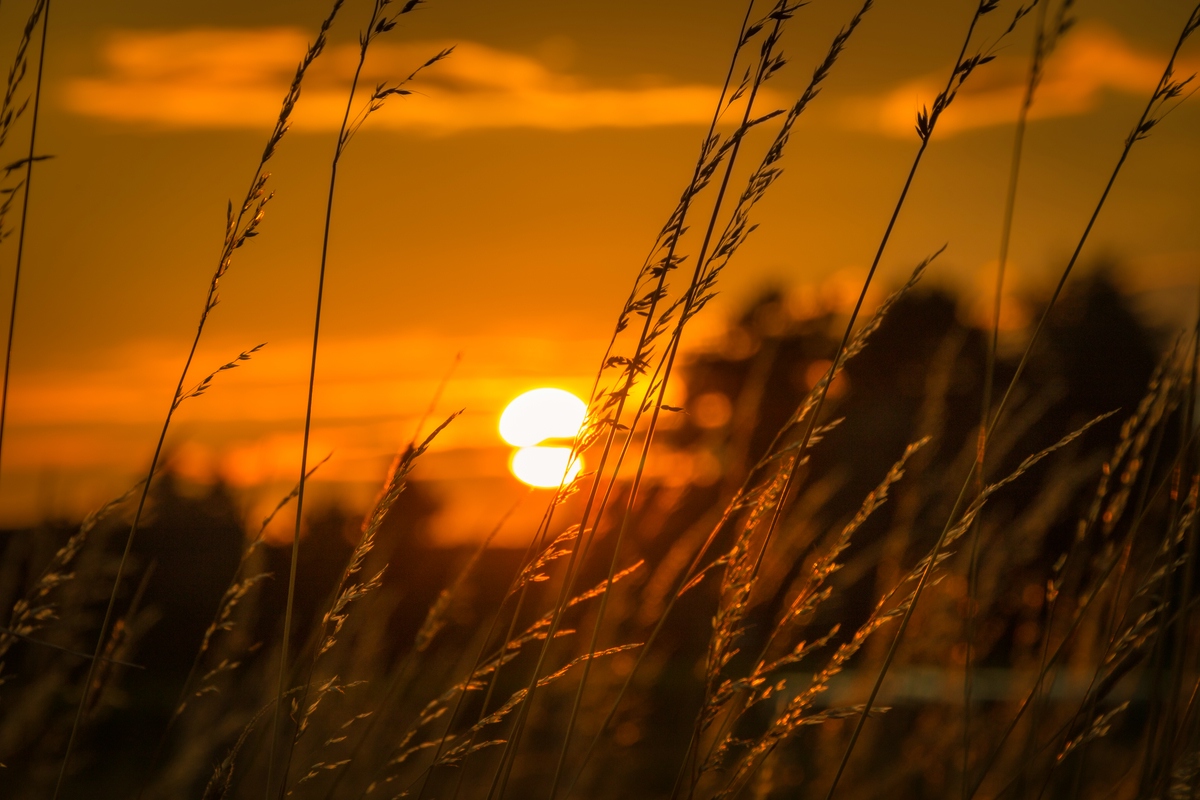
(891, 558)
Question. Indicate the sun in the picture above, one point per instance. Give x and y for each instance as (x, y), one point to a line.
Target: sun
(544, 467)
(537, 416)
(541, 414)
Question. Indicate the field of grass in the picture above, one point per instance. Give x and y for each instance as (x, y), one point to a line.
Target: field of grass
(878, 552)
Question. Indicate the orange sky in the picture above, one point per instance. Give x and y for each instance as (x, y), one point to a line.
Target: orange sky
(503, 210)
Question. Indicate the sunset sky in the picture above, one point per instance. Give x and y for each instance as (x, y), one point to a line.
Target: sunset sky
(503, 209)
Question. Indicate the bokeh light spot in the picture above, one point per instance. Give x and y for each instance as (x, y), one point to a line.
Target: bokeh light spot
(712, 410)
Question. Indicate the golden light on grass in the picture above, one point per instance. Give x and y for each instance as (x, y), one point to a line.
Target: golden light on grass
(537, 416)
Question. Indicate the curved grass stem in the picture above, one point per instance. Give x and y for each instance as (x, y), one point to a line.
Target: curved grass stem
(44, 7)
(1165, 90)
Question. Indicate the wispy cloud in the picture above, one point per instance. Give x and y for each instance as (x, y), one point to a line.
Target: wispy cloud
(1089, 63)
(234, 78)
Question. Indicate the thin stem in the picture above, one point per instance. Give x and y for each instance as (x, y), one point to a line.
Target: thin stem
(989, 375)
(1077, 617)
(181, 700)
(702, 276)
(587, 664)
(236, 235)
(312, 379)
(519, 589)
(12, 314)
(1138, 132)
(1182, 643)
(839, 355)
(5, 630)
(575, 561)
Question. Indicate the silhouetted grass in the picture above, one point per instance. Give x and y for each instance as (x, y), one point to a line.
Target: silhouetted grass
(795, 625)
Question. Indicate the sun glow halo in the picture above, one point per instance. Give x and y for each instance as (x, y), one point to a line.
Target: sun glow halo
(544, 467)
(537, 416)
(541, 414)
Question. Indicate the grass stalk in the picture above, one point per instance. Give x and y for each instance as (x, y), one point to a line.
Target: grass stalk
(42, 8)
(927, 121)
(339, 148)
(1077, 617)
(222, 609)
(768, 528)
(380, 22)
(1043, 42)
(240, 228)
(768, 62)
(587, 664)
(776, 450)
(1167, 89)
(701, 282)
(1175, 721)
(675, 230)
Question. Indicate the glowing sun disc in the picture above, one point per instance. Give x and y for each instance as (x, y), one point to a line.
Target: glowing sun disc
(542, 414)
(544, 467)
